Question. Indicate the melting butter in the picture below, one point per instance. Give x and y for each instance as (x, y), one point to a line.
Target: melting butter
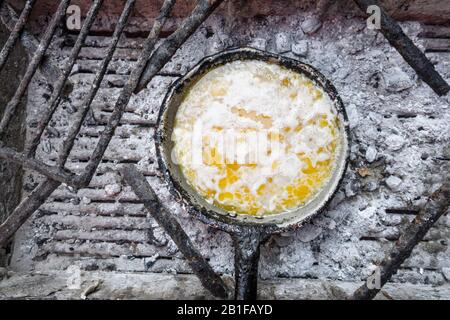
(256, 138)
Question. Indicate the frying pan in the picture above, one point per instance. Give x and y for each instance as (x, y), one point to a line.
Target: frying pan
(248, 232)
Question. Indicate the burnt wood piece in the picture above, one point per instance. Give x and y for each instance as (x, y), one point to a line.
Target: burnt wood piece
(436, 206)
(168, 48)
(404, 45)
(81, 114)
(48, 68)
(15, 33)
(59, 85)
(34, 63)
(208, 277)
(126, 94)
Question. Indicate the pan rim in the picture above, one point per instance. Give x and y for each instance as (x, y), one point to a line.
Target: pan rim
(222, 220)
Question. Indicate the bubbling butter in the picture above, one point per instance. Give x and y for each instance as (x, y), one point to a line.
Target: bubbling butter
(255, 138)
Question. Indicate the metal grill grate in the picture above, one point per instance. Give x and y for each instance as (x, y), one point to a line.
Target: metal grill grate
(150, 61)
(59, 174)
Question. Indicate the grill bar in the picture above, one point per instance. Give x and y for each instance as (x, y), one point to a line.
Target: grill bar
(126, 94)
(29, 205)
(47, 67)
(59, 86)
(33, 164)
(149, 63)
(75, 128)
(210, 279)
(436, 206)
(15, 33)
(25, 209)
(168, 48)
(31, 70)
(404, 45)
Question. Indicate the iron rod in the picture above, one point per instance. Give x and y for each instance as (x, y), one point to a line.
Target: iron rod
(59, 86)
(436, 206)
(47, 67)
(29, 205)
(168, 48)
(408, 50)
(125, 95)
(34, 63)
(25, 209)
(75, 128)
(53, 173)
(40, 194)
(208, 277)
(15, 33)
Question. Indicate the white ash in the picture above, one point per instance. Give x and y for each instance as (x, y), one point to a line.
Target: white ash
(371, 154)
(394, 142)
(390, 111)
(282, 42)
(394, 183)
(258, 43)
(446, 273)
(397, 80)
(311, 25)
(309, 232)
(113, 189)
(300, 48)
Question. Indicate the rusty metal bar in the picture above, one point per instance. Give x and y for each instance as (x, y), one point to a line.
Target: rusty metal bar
(29, 205)
(59, 85)
(36, 165)
(15, 33)
(436, 206)
(25, 209)
(34, 63)
(168, 48)
(404, 45)
(75, 128)
(125, 95)
(202, 269)
(47, 67)
(40, 194)
(44, 189)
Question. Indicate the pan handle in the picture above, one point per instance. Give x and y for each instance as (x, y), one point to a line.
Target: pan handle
(247, 244)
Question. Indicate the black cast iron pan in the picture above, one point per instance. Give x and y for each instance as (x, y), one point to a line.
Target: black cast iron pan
(248, 232)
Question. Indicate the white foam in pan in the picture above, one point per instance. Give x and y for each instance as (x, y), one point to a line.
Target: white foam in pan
(256, 138)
